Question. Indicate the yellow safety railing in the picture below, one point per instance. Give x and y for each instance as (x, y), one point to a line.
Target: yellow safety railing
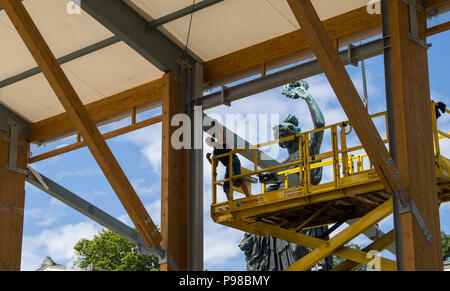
(340, 157)
(437, 134)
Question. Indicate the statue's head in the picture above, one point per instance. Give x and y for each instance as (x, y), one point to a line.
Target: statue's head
(288, 128)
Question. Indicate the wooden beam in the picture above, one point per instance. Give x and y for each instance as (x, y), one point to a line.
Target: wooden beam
(438, 29)
(414, 139)
(12, 203)
(347, 94)
(99, 111)
(341, 26)
(83, 122)
(429, 4)
(174, 181)
(81, 144)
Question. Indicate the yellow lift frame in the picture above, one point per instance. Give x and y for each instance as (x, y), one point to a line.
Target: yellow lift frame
(355, 193)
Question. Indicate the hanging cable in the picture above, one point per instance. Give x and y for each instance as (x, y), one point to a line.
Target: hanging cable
(190, 26)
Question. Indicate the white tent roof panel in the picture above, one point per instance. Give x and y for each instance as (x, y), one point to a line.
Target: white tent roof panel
(63, 33)
(95, 76)
(217, 30)
(235, 24)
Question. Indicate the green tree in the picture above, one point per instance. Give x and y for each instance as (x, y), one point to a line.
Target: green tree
(445, 245)
(109, 252)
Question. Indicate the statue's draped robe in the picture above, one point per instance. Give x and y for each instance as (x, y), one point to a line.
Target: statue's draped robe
(272, 254)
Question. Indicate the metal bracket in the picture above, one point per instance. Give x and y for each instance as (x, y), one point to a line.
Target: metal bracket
(7, 139)
(224, 96)
(414, 30)
(407, 205)
(38, 177)
(164, 257)
(350, 56)
(386, 42)
(13, 145)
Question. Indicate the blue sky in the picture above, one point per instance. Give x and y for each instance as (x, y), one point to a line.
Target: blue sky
(51, 228)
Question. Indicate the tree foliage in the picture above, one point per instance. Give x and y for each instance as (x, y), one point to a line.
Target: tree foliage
(445, 245)
(109, 252)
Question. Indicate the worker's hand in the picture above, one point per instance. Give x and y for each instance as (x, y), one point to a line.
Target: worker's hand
(208, 156)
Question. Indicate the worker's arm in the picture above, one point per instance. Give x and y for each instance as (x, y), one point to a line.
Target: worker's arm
(208, 157)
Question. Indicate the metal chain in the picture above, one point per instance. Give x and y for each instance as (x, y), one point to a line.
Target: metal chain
(364, 81)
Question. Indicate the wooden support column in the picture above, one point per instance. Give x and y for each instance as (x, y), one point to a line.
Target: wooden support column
(12, 201)
(174, 180)
(414, 140)
(82, 120)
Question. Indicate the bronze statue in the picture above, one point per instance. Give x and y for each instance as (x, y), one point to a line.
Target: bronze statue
(269, 253)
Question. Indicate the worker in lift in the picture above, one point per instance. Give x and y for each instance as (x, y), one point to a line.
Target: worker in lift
(221, 148)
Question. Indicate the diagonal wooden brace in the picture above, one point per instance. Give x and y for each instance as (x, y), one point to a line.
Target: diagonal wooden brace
(347, 94)
(82, 120)
(329, 247)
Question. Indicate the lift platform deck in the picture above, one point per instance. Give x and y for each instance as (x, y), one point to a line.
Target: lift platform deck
(355, 191)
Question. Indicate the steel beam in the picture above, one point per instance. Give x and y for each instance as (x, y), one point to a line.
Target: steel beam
(192, 85)
(6, 115)
(305, 70)
(96, 214)
(84, 207)
(181, 13)
(391, 132)
(65, 59)
(264, 160)
(130, 27)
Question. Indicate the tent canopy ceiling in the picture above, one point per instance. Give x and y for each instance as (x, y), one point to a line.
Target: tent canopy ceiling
(218, 30)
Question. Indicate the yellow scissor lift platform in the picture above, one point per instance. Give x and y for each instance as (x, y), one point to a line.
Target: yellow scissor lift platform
(355, 192)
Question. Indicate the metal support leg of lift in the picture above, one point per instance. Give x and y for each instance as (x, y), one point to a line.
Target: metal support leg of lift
(379, 245)
(353, 255)
(329, 247)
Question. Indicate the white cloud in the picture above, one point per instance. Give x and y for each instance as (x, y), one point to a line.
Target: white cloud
(125, 218)
(57, 243)
(221, 245)
(154, 209)
(48, 215)
(150, 142)
(80, 173)
(142, 187)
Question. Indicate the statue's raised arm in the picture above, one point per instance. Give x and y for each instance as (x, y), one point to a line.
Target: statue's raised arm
(300, 90)
(269, 253)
